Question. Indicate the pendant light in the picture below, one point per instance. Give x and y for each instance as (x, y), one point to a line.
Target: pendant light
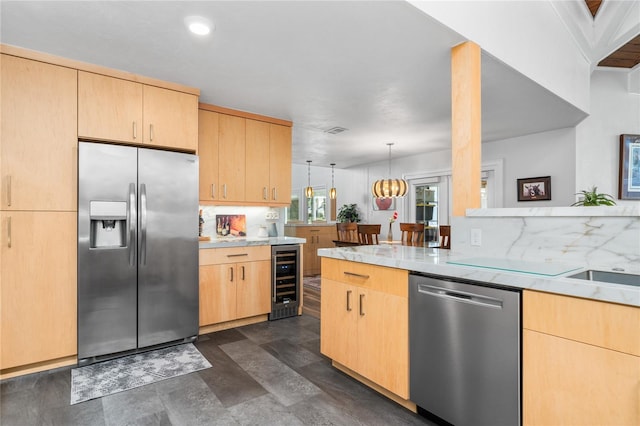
(332, 192)
(385, 188)
(309, 189)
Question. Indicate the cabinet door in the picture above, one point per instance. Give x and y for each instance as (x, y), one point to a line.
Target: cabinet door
(208, 153)
(280, 164)
(253, 284)
(170, 118)
(231, 158)
(109, 108)
(257, 161)
(217, 293)
(38, 147)
(338, 329)
(383, 340)
(571, 383)
(38, 302)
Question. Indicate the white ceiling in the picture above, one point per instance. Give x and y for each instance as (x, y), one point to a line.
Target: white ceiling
(380, 69)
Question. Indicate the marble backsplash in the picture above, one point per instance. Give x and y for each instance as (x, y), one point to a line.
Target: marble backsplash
(594, 241)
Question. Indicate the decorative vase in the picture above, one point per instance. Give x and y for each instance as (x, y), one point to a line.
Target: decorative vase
(390, 233)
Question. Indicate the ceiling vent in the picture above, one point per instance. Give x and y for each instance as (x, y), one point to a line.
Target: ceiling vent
(335, 130)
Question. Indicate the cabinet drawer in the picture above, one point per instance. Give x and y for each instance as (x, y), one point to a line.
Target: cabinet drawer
(234, 255)
(603, 324)
(380, 278)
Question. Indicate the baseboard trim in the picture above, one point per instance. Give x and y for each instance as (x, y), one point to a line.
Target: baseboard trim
(232, 324)
(409, 405)
(37, 367)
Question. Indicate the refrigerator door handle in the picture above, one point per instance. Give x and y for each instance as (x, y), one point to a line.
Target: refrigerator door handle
(131, 220)
(143, 224)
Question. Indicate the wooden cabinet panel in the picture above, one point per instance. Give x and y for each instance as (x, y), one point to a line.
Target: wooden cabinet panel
(208, 153)
(230, 289)
(383, 340)
(217, 294)
(38, 147)
(113, 109)
(280, 164)
(253, 284)
(608, 325)
(170, 118)
(380, 278)
(257, 161)
(231, 158)
(109, 109)
(317, 237)
(338, 329)
(38, 293)
(571, 383)
(369, 334)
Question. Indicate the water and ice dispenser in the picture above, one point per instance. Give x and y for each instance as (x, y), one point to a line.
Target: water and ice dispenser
(108, 224)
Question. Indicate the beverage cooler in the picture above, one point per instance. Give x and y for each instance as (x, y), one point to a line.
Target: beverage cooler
(285, 281)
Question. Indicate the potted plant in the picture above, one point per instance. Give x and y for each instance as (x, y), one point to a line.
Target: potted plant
(348, 213)
(592, 198)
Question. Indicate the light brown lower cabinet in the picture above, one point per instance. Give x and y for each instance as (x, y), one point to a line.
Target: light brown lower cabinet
(581, 364)
(232, 289)
(38, 287)
(365, 322)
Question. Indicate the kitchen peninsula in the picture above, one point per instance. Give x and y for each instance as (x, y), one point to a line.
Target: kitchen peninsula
(569, 326)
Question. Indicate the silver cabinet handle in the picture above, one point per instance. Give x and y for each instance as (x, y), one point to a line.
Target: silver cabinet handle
(231, 271)
(224, 191)
(9, 232)
(264, 193)
(131, 220)
(135, 130)
(150, 132)
(275, 193)
(143, 224)
(213, 190)
(9, 190)
(352, 274)
(238, 255)
(242, 269)
(362, 305)
(349, 300)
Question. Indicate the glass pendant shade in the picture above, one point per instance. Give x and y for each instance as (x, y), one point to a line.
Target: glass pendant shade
(332, 192)
(388, 188)
(308, 191)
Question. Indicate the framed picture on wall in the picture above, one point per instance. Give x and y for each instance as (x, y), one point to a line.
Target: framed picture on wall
(384, 203)
(534, 189)
(629, 169)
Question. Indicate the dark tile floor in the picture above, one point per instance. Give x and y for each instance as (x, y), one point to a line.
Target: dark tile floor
(270, 373)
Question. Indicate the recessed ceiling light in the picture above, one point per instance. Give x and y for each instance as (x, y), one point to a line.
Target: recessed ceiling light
(199, 25)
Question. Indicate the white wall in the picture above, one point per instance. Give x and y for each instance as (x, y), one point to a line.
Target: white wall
(614, 111)
(529, 36)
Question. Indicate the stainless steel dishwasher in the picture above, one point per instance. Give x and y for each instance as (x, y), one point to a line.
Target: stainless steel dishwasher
(465, 345)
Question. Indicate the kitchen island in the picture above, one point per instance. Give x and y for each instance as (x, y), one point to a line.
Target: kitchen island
(580, 339)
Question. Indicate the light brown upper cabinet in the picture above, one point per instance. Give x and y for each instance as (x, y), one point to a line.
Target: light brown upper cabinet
(208, 153)
(231, 158)
(280, 164)
(39, 140)
(243, 160)
(114, 109)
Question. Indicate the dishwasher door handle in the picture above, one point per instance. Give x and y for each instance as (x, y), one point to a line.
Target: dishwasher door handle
(460, 296)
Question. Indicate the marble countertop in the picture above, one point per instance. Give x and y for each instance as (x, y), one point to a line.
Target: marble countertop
(435, 261)
(251, 241)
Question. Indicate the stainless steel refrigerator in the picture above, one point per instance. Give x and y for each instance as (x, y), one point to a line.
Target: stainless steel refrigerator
(137, 249)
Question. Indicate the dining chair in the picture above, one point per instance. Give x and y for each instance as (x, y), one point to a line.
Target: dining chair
(445, 236)
(412, 234)
(347, 231)
(369, 234)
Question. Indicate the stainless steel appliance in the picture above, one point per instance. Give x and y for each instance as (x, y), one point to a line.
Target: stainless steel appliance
(464, 341)
(285, 281)
(137, 249)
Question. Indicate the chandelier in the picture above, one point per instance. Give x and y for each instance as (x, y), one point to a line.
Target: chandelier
(385, 188)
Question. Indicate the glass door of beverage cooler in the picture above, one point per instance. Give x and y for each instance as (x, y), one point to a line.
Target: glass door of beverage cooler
(426, 197)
